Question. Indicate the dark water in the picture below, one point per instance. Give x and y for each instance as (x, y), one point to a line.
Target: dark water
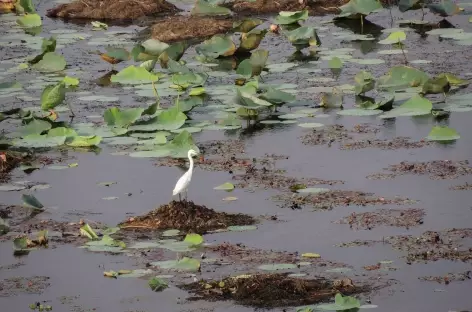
(74, 194)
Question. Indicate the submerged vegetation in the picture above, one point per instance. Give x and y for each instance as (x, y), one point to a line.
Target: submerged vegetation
(236, 81)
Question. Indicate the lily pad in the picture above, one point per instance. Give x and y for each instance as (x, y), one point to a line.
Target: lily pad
(31, 201)
(216, 46)
(416, 106)
(122, 118)
(359, 112)
(443, 133)
(134, 75)
(51, 62)
(285, 18)
(184, 264)
(225, 187)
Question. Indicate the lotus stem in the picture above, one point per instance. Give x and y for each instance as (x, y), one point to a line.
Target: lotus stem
(158, 101)
(362, 24)
(72, 114)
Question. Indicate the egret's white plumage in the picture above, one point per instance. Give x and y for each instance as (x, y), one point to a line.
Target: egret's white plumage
(183, 182)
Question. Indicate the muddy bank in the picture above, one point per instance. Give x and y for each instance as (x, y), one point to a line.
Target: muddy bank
(359, 137)
(436, 169)
(384, 217)
(266, 7)
(177, 28)
(434, 245)
(23, 285)
(271, 290)
(187, 217)
(112, 10)
(334, 198)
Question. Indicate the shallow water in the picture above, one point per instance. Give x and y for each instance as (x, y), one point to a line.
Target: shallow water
(74, 194)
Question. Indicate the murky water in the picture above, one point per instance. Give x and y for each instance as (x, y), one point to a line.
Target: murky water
(76, 277)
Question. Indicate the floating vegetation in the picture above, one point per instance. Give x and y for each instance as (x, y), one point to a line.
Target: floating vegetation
(187, 217)
(384, 217)
(270, 290)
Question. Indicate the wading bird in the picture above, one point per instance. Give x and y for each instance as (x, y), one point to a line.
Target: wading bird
(184, 180)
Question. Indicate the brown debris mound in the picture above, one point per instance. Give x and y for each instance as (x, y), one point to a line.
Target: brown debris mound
(10, 160)
(188, 217)
(318, 7)
(437, 169)
(389, 217)
(271, 290)
(395, 143)
(331, 199)
(464, 187)
(179, 28)
(433, 246)
(111, 9)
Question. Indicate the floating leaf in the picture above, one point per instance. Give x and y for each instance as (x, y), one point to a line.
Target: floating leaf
(204, 8)
(394, 37)
(193, 239)
(31, 201)
(251, 40)
(134, 75)
(70, 81)
(303, 37)
(335, 63)
(246, 25)
(444, 8)
(29, 20)
(341, 303)
(122, 118)
(216, 46)
(357, 8)
(364, 82)
(443, 133)
(51, 62)
(184, 264)
(36, 126)
(285, 18)
(53, 95)
(38, 141)
(311, 255)
(154, 47)
(87, 231)
(359, 112)
(225, 187)
(83, 141)
(157, 284)
(416, 106)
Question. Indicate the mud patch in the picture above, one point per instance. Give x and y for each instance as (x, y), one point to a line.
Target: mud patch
(433, 246)
(187, 217)
(23, 285)
(223, 148)
(329, 200)
(359, 137)
(463, 187)
(180, 28)
(10, 160)
(437, 169)
(450, 277)
(265, 7)
(111, 10)
(271, 290)
(387, 217)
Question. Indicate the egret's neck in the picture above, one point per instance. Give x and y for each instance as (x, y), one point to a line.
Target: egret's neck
(191, 163)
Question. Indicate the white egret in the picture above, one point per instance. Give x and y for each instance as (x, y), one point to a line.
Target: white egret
(184, 180)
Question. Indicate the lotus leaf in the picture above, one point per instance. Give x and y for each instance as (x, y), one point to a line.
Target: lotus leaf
(363, 82)
(189, 79)
(134, 75)
(31, 201)
(184, 264)
(53, 95)
(406, 5)
(251, 40)
(35, 126)
(122, 118)
(216, 46)
(442, 133)
(335, 63)
(275, 96)
(38, 141)
(358, 8)
(303, 37)
(203, 8)
(154, 47)
(258, 61)
(174, 52)
(70, 81)
(454, 80)
(176, 67)
(51, 62)
(157, 284)
(416, 106)
(285, 18)
(30, 20)
(83, 141)
(341, 303)
(189, 103)
(245, 69)
(394, 37)
(402, 77)
(436, 85)
(250, 101)
(444, 8)
(246, 25)
(225, 187)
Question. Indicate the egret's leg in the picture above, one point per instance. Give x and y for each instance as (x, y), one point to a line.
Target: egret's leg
(180, 197)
